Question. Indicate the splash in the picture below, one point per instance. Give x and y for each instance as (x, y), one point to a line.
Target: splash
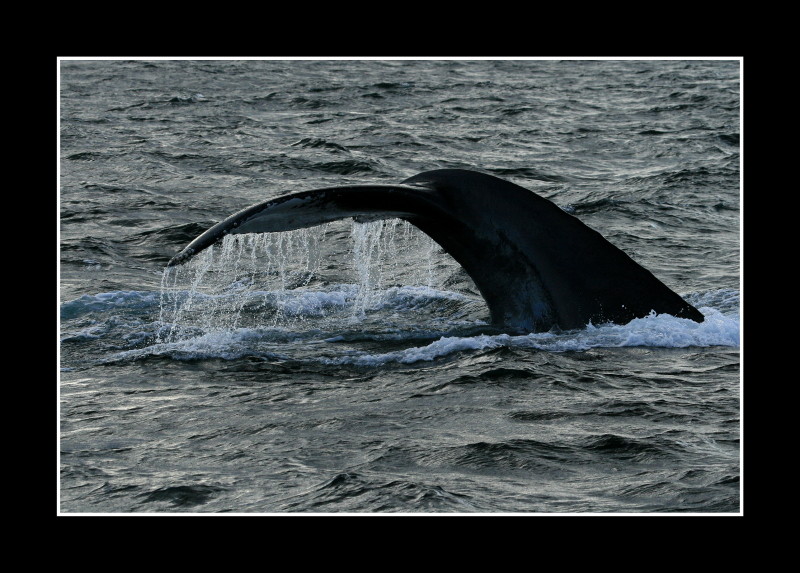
(656, 331)
(384, 249)
(217, 289)
(285, 280)
(366, 295)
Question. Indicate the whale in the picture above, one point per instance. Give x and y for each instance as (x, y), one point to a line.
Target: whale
(537, 267)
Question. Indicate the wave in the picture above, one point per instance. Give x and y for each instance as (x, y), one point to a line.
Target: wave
(108, 302)
(404, 326)
(272, 298)
(663, 331)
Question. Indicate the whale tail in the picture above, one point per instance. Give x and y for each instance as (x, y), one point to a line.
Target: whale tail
(536, 266)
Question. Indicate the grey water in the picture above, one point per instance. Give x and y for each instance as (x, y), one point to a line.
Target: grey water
(349, 368)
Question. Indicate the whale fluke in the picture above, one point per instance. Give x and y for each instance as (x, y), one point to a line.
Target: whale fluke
(537, 267)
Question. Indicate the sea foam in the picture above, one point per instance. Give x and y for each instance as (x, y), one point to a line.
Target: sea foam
(267, 296)
(663, 331)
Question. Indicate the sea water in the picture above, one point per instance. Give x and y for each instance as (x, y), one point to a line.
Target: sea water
(350, 368)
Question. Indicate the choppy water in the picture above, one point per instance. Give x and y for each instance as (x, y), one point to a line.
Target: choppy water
(349, 368)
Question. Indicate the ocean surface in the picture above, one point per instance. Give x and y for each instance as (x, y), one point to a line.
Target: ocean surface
(349, 368)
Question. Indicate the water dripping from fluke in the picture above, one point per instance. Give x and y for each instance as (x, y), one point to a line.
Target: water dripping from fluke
(329, 277)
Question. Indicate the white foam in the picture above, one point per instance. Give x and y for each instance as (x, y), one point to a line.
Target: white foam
(664, 331)
(314, 303)
(307, 342)
(268, 295)
(226, 345)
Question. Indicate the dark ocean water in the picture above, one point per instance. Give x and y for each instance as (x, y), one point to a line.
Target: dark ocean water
(348, 368)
